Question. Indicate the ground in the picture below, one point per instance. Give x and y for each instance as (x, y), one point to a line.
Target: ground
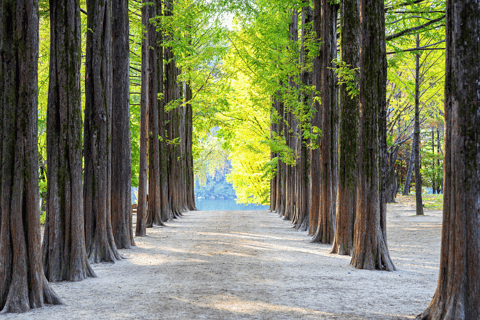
(253, 265)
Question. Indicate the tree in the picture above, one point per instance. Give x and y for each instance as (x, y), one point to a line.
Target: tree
(347, 177)
(370, 249)
(22, 282)
(328, 140)
(121, 154)
(141, 225)
(316, 122)
(416, 136)
(154, 201)
(64, 254)
(457, 296)
(98, 116)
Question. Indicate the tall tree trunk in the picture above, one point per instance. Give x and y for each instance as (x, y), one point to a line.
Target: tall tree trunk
(98, 109)
(347, 178)
(23, 285)
(411, 164)
(154, 202)
(2, 101)
(370, 249)
(416, 136)
(190, 178)
(280, 170)
(303, 170)
(273, 182)
(141, 225)
(316, 122)
(326, 221)
(121, 153)
(457, 295)
(290, 134)
(64, 254)
(170, 87)
(162, 116)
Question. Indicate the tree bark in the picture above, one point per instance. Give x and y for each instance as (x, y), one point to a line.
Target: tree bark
(303, 170)
(141, 225)
(457, 295)
(23, 285)
(190, 178)
(316, 122)
(370, 249)
(347, 178)
(154, 202)
(411, 164)
(121, 153)
(162, 128)
(64, 254)
(416, 136)
(98, 113)
(326, 221)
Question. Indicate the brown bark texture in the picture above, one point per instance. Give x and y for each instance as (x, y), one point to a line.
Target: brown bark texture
(370, 249)
(98, 115)
(416, 136)
(347, 177)
(458, 291)
(121, 152)
(64, 254)
(316, 122)
(326, 218)
(23, 285)
(141, 225)
(154, 202)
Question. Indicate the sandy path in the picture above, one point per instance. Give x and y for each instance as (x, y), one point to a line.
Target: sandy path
(253, 265)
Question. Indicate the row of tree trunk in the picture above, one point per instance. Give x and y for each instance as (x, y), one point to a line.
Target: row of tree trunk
(166, 128)
(87, 220)
(361, 177)
(336, 191)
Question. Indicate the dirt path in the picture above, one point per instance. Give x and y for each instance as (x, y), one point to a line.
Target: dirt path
(253, 265)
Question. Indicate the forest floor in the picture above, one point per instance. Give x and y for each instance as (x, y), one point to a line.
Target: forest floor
(253, 265)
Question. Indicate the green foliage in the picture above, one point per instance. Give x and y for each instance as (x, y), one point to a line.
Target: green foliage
(347, 76)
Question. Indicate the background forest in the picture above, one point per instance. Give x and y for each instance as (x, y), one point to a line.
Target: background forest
(229, 52)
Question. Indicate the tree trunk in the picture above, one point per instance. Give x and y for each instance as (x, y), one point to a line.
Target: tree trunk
(457, 295)
(2, 101)
(370, 249)
(162, 116)
(98, 110)
(141, 225)
(64, 255)
(290, 135)
(23, 285)
(346, 189)
(416, 136)
(303, 170)
(411, 164)
(316, 122)
(190, 178)
(326, 221)
(280, 170)
(391, 176)
(170, 87)
(121, 153)
(154, 216)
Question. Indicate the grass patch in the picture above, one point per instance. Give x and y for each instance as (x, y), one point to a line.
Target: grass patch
(430, 201)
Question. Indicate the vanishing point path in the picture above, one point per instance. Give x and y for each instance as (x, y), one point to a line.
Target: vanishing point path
(253, 265)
